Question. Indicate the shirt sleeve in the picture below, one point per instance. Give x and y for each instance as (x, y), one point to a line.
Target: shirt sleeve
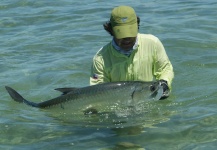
(163, 68)
(98, 74)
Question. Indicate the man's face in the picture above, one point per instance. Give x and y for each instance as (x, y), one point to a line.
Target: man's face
(125, 43)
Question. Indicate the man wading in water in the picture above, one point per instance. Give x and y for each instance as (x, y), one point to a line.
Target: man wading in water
(131, 56)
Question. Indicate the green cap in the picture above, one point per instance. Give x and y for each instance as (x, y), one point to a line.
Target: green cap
(124, 22)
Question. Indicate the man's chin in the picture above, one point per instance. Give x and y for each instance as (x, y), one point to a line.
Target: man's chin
(126, 48)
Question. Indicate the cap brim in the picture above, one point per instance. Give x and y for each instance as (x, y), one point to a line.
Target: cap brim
(125, 31)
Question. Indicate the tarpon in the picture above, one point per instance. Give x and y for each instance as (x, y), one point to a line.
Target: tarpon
(98, 98)
(126, 93)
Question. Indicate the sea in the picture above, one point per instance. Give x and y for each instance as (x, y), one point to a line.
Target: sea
(48, 44)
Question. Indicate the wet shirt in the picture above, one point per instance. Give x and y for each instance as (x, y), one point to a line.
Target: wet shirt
(148, 62)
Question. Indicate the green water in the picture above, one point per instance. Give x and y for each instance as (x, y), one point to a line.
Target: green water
(50, 44)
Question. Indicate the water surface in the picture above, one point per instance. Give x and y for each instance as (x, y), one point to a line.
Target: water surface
(50, 44)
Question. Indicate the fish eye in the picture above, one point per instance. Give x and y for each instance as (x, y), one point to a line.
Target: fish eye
(152, 88)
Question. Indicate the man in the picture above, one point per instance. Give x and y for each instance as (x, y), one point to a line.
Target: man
(131, 56)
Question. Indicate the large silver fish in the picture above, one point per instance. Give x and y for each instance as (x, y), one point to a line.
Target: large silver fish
(122, 98)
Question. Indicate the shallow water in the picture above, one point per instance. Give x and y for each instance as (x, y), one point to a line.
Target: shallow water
(46, 45)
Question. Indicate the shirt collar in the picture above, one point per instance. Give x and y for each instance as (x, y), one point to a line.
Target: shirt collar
(127, 53)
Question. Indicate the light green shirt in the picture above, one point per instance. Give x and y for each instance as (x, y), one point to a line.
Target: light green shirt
(149, 62)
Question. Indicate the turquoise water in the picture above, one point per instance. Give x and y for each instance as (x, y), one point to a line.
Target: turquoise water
(49, 44)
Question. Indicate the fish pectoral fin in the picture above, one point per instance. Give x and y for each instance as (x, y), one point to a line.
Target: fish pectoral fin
(66, 90)
(90, 111)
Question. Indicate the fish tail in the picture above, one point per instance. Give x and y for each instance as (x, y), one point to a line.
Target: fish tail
(18, 98)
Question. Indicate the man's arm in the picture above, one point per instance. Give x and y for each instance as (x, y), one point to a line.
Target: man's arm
(98, 74)
(163, 68)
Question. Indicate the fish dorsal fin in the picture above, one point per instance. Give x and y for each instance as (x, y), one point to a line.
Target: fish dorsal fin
(66, 90)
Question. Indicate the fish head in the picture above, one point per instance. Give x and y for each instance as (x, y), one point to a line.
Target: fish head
(147, 91)
(156, 90)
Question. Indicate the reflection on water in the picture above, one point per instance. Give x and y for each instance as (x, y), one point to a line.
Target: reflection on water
(149, 114)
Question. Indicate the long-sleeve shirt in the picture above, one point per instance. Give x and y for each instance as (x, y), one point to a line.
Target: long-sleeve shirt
(148, 62)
